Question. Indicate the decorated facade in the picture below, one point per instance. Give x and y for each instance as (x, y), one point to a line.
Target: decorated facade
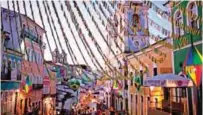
(23, 62)
(186, 24)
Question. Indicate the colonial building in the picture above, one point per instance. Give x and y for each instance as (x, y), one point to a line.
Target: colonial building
(26, 38)
(186, 25)
(33, 61)
(127, 38)
(144, 98)
(11, 63)
(134, 23)
(49, 88)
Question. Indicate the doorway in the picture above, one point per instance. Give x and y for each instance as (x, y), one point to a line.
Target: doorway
(26, 104)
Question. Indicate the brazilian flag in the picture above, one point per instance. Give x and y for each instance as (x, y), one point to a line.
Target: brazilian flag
(137, 81)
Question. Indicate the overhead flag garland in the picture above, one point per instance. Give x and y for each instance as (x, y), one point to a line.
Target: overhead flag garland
(82, 37)
(74, 59)
(151, 57)
(158, 27)
(116, 72)
(75, 39)
(95, 42)
(92, 17)
(163, 14)
(101, 9)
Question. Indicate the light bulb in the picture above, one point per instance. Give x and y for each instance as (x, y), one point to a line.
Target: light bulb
(151, 88)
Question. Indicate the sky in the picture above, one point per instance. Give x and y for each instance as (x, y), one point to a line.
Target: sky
(67, 30)
(91, 25)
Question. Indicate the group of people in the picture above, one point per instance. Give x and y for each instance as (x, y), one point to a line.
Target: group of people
(32, 110)
(99, 111)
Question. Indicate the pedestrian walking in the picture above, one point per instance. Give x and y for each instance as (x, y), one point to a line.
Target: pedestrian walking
(112, 112)
(30, 110)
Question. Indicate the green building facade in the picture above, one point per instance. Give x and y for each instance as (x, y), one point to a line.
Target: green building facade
(187, 29)
(191, 30)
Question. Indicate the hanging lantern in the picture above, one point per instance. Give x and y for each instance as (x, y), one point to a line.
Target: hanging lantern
(74, 84)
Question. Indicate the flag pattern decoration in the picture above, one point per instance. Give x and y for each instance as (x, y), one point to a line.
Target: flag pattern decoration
(116, 85)
(137, 81)
(27, 85)
(193, 65)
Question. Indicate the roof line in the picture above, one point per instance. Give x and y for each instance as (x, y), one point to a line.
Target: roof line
(25, 17)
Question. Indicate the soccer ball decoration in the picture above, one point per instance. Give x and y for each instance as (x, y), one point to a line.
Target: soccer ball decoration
(74, 84)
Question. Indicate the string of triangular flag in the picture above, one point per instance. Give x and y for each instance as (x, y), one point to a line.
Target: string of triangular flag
(141, 63)
(141, 49)
(92, 17)
(82, 37)
(92, 37)
(163, 14)
(158, 27)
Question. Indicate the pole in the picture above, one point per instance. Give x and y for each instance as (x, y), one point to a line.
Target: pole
(199, 102)
(198, 107)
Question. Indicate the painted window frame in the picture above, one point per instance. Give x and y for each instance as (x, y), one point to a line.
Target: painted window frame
(178, 20)
(195, 11)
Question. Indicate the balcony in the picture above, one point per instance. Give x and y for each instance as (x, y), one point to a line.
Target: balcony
(10, 74)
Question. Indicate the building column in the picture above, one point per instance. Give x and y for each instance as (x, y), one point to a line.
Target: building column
(109, 100)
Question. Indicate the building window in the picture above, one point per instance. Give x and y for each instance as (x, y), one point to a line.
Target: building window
(28, 54)
(178, 22)
(126, 84)
(136, 104)
(141, 76)
(131, 76)
(34, 56)
(155, 71)
(131, 95)
(135, 20)
(192, 15)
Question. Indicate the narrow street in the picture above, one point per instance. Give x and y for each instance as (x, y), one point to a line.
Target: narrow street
(101, 57)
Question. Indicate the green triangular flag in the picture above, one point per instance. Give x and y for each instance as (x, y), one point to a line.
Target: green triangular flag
(137, 81)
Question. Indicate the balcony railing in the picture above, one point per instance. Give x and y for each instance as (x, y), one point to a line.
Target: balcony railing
(8, 76)
(31, 35)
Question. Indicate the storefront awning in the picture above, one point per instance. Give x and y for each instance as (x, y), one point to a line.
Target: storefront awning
(168, 80)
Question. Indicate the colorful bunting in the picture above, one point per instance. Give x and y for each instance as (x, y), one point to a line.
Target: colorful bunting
(27, 85)
(137, 81)
(116, 85)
